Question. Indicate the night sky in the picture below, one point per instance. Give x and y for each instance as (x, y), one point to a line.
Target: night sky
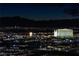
(37, 11)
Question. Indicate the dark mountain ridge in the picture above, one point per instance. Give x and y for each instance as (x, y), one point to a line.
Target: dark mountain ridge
(25, 22)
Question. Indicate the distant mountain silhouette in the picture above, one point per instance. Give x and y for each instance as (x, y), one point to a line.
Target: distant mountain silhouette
(20, 21)
(14, 21)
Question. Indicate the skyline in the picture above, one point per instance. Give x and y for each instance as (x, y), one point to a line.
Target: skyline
(37, 11)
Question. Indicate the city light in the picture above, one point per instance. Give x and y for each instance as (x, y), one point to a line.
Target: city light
(55, 33)
(30, 34)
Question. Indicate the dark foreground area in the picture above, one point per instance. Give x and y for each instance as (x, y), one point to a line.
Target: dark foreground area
(54, 53)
